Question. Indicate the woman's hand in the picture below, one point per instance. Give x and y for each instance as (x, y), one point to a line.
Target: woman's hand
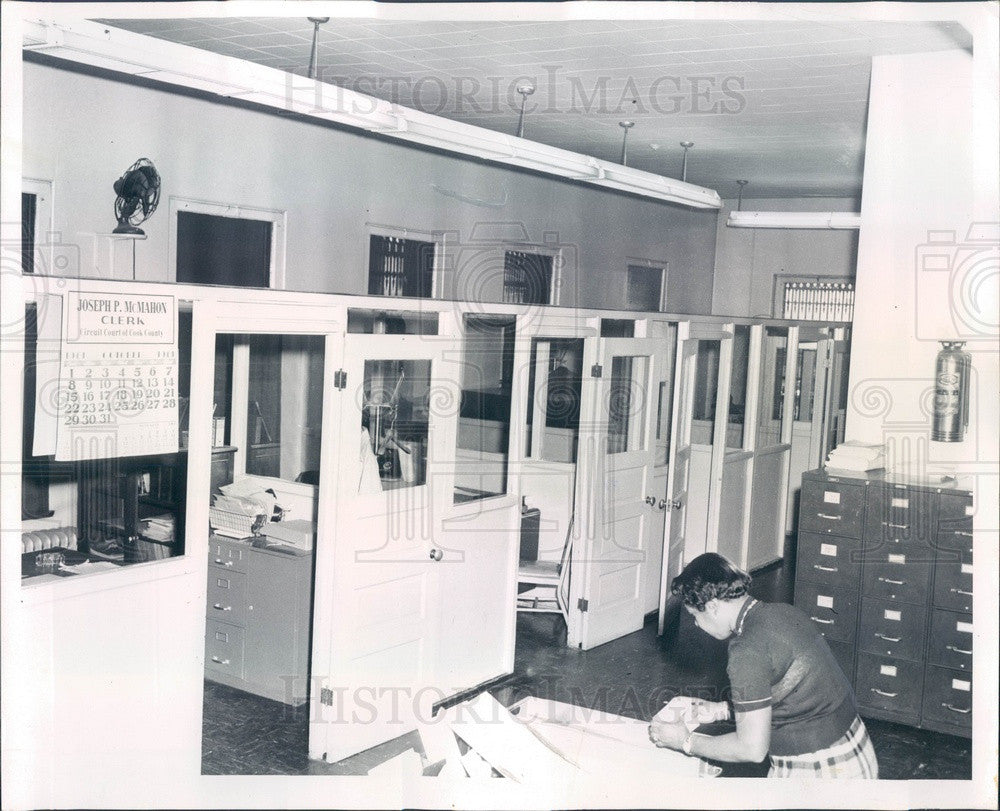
(668, 734)
(693, 710)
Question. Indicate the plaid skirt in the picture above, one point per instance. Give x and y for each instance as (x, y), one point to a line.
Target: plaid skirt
(853, 756)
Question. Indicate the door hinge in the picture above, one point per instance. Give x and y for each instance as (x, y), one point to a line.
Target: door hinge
(596, 370)
(326, 696)
(582, 604)
(340, 379)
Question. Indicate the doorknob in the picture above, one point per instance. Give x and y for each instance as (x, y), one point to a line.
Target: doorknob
(675, 504)
(436, 554)
(650, 500)
(662, 504)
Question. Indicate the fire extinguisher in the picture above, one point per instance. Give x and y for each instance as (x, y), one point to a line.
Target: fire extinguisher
(952, 370)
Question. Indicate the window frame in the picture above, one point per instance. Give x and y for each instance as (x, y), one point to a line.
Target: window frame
(555, 282)
(276, 217)
(642, 263)
(399, 232)
(44, 225)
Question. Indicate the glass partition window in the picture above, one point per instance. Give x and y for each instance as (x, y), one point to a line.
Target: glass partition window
(99, 502)
(805, 384)
(627, 404)
(484, 418)
(738, 386)
(284, 406)
(772, 387)
(395, 418)
(706, 387)
(554, 386)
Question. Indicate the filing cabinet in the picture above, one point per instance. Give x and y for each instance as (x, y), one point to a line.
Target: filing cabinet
(884, 570)
(258, 619)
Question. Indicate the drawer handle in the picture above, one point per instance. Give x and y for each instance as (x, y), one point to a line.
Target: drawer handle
(891, 581)
(221, 607)
(222, 562)
(888, 638)
(830, 517)
(825, 568)
(948, 706)
(219, 661)
(958, 650)
(825, 622)
(895, 526)
(961, 591)
(884, 693)
(963, 533)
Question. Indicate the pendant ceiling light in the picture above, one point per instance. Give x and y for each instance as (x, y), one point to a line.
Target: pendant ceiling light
(317, 22)
(625, 125)
(525, 90)
(684, 166)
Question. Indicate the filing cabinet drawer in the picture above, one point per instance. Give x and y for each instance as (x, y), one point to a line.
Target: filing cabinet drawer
(228, 554)
(889, 683)
(832, 507)
(950, 641)
(948, 697)
(224, 648)
(953, 584)
(900, 514)
(833, 611)
(902, 574)
(227, 595)
(894, 629)
(827, 559)
(954, 524)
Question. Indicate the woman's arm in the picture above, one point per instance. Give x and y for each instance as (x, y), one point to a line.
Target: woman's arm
(748, 744)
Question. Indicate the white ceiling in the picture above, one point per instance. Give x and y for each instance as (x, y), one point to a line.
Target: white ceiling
(779, 103)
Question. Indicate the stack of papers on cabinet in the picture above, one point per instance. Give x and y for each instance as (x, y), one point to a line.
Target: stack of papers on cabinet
(857, 457)
(158, 528)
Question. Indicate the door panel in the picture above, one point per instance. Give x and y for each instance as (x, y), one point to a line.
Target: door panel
(385, 579)
(618, 467)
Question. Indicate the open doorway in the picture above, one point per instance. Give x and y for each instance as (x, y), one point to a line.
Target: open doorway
(265, 435)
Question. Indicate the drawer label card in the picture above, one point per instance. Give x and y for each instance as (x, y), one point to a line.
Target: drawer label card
(901, 503)
(963, 627)
(887, 670)
(898, 559)
(968, 510)
(222, 636)
(823, 601)
(966, 568)
(961, 684)
(828, 549)
(895, 616)
(222, 582)
(831, 497)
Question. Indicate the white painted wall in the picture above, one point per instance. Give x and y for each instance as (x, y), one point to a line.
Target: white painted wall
(931, 166)
(82, 132)
(748, 259)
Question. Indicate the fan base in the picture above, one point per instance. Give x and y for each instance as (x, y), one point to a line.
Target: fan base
(126, 228)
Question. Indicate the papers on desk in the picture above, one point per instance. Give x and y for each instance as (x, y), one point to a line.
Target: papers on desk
(89, 567)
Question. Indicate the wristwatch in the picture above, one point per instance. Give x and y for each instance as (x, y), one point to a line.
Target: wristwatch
(686, 746)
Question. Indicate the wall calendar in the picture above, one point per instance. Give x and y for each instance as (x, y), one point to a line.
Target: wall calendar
(118, 372)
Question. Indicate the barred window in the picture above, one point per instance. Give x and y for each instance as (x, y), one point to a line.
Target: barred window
(400, 267)
(527, 278)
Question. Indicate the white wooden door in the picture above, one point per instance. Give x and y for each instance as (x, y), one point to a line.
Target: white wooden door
(678, 467)
(614, 490)
(380, 592)
(656, 526)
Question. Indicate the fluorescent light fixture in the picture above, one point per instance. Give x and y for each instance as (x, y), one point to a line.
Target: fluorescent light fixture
(122, 51)
(794, 219)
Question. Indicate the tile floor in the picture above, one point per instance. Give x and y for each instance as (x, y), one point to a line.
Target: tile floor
(633, 676)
